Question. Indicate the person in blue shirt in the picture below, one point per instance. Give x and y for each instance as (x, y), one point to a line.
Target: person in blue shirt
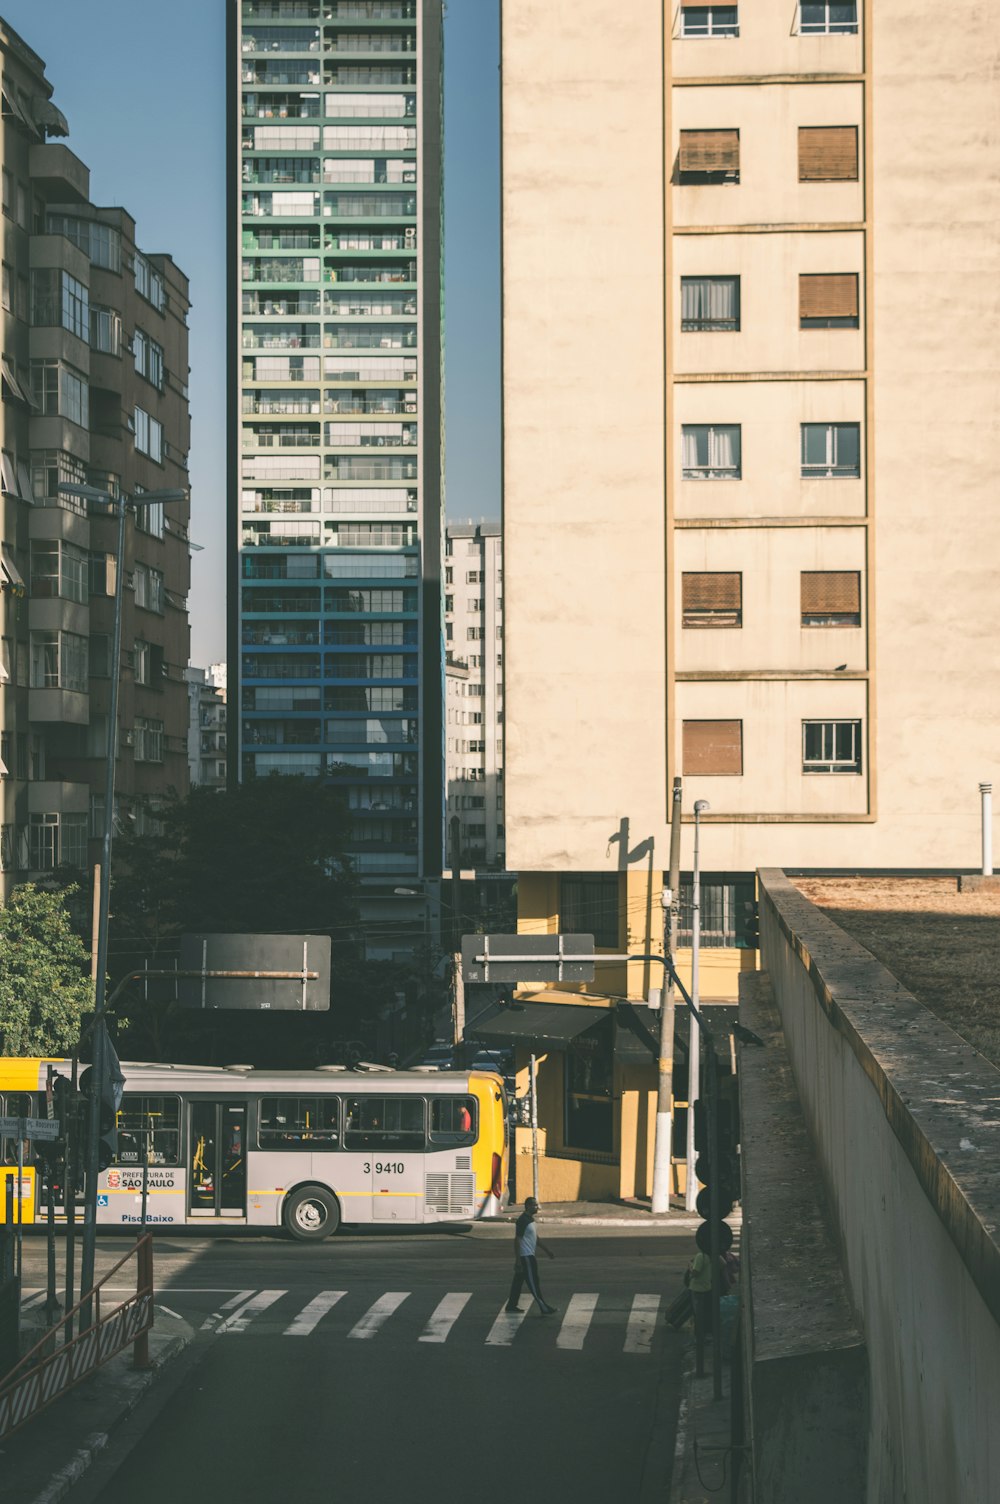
(526, 1242)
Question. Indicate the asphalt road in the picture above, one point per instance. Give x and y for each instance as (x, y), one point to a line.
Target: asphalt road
(380, 1367)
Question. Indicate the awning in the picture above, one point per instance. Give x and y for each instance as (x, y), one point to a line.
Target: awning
(10, 381)
(637, 1034)
(536, 1026)
(9, 571)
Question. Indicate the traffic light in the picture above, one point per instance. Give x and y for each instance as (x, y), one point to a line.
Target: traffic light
(107, 1145)
(712, 1170)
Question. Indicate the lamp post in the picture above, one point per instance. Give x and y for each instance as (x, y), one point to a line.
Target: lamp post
(694, 1052)
(120, 505)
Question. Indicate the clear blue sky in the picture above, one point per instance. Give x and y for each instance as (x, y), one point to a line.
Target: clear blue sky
(142, 85)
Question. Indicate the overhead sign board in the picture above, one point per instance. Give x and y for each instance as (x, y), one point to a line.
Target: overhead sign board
(528, 958)
(237, 971)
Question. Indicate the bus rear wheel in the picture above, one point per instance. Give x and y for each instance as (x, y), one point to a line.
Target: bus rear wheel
(311, 1213)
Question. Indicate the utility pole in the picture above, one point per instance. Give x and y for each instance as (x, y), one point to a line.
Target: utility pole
(665, 1064)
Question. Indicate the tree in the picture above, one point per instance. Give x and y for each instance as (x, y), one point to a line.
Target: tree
(45, 985)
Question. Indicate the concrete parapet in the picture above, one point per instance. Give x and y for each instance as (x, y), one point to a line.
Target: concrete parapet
(805, 1363)
(904, 1118)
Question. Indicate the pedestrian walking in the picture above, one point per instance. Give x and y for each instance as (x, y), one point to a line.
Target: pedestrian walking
(526, 1242)
(699, 1282)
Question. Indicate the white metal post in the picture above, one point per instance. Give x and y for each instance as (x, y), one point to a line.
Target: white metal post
(694, 1036)
(534, 1128)
(986, 794)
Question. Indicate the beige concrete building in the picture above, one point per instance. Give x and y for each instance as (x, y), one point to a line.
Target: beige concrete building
(756, 542)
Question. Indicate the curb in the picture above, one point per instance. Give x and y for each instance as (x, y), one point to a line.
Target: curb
(71, 1472)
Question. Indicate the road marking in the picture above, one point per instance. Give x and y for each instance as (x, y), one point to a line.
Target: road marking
(379, 1313)
(504, 1329)
(444, 1318)
(311, 1315)
(237, 1300)
(242, 1317)
(576, 1322)
(642, 1323)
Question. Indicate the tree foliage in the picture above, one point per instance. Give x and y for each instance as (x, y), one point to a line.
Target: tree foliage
(45, 985)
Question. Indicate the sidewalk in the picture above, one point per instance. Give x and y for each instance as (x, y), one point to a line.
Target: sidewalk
(703, 1460)
(631, 1215)
(40, 1463)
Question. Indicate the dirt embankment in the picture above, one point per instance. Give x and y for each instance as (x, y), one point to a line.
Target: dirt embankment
(944, 946)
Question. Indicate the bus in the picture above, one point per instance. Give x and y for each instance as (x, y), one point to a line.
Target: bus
(300, 1150)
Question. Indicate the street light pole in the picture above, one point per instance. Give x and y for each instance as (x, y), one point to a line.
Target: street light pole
(663, 1143)
(120, 504)
(694, 1052)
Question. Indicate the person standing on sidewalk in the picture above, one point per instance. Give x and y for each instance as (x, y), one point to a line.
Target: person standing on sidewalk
(699, 1282)
(526, 1241)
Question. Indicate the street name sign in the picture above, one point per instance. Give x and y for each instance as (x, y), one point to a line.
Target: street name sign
(34, 1128)
(528, 958)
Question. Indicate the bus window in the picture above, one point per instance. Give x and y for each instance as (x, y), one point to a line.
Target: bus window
(384, 1123)
(149, 1122)
(453, 1120)
(17, 1104)
(298, 1122)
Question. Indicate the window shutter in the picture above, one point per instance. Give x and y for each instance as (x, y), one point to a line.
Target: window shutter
(831, 593)
(713, 747)
(709, 151)
(711, 598)
(833, 295)
(828, 153)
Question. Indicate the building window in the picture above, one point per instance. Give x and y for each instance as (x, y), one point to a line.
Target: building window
(59, 569)
(831, 598)
(148, 435)
(57, 839)
(59, 389)
(831, 746)
(828, 301)
(709, 20)
(149, 519)
(58, 661)
(102, 573)
(831, 451)
(149, 588)
(713, 748)
(710, 303)
(147, 740)
(59, 299)
(726, 910)
(589, 1100)
(709, 157)
(105, 331)
(101, 244)
(149, 283)
(711, 451)
(828, 153)
(148, 356)
(826, 17)
(712, 599)
(588, 905)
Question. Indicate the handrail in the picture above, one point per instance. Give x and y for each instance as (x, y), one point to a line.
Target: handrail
(142, 1247)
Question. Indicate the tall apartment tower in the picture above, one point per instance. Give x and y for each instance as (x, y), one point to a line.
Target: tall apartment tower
(336, 662)
(95, 373)
(473, 616)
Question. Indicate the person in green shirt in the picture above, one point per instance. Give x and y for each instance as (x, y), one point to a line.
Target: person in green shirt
(700, 1285)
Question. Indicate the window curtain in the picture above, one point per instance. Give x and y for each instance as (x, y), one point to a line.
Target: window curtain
(708, 299)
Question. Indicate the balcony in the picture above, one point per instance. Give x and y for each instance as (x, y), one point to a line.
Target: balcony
(59, 174)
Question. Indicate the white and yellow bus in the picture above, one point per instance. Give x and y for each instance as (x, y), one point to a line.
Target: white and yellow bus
(302, 1150)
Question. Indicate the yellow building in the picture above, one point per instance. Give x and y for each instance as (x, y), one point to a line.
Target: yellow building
(750, 328)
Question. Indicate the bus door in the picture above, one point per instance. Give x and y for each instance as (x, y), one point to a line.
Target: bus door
(217, 1162)
(387, 1137)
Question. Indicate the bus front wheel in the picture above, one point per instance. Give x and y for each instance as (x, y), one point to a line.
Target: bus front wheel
(311, 1213)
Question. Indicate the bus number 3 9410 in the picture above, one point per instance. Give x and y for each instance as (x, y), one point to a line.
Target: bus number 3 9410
(387, 1167)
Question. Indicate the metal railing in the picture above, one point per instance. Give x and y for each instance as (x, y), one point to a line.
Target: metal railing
(48, 1369)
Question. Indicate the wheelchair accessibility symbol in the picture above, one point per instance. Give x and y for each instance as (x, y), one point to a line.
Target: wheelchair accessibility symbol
(102, 1200)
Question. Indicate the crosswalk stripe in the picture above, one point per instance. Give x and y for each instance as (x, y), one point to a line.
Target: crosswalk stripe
(227, 1305)
(504, 1329)
(641, 1323)
(311, 1315)
(444, 1318)
(379, 1313)
(576, 1322)
(243, 1315)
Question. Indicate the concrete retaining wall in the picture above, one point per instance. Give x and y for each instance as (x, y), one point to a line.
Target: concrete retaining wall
(905, 1122)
